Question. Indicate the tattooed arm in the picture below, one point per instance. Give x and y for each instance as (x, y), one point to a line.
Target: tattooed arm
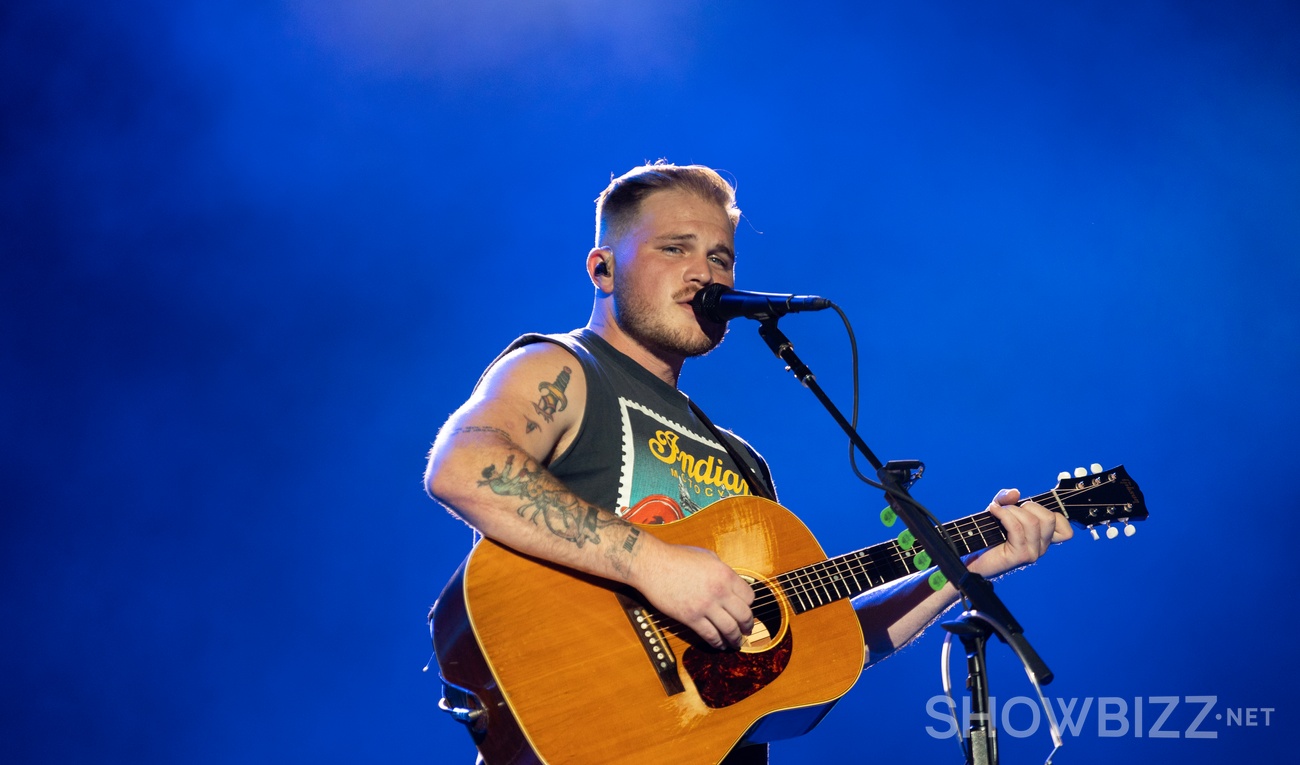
(488, 467)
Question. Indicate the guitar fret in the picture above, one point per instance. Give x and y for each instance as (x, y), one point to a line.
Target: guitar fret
(961, 533)
(853, 585)
(812, 585)
(861, 571)
(968, 540)
(991, 532)
(791, 583)
(831, 575)
(817, 577)
(804, 589)
(791, 592)
(896, 562)
(809, 592)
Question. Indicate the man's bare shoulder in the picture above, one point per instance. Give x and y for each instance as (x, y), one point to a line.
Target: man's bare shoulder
(537, 394)
(525, 368)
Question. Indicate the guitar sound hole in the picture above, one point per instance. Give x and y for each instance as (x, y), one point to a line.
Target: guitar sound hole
(768, 619)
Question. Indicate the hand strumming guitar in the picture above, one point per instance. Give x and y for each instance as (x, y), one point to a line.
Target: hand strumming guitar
(694, 586)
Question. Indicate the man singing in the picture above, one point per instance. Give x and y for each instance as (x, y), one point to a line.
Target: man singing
(568, 439)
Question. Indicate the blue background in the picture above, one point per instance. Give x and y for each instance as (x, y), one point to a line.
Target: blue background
(254, 254)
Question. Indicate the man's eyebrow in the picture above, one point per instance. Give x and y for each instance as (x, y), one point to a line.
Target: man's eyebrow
(693, 238)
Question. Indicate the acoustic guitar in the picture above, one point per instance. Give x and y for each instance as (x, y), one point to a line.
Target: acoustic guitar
(547, 665)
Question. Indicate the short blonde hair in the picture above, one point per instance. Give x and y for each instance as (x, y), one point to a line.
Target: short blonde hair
(619, 204)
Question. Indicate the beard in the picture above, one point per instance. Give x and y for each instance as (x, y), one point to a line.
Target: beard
(640, 320)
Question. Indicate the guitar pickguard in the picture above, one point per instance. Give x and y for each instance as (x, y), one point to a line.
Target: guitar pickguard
(723, 678)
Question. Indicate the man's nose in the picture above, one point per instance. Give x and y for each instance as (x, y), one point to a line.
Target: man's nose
(698, 271)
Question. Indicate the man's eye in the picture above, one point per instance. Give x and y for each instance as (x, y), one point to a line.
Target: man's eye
(721, 261)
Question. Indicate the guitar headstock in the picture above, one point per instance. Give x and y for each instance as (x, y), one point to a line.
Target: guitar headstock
(1096, 497)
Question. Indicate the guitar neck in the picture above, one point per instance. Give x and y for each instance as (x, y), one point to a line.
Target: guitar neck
(854, 573)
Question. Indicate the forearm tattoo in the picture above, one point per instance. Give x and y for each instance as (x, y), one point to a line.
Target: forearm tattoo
(545, 502)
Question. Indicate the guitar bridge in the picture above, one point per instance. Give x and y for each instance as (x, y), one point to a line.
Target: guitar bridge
(657, 650)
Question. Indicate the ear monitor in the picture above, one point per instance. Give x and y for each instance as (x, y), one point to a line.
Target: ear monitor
(602, 268)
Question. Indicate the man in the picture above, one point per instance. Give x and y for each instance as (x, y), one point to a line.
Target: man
(567, 437)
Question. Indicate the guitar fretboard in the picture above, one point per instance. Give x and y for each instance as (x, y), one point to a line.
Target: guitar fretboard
(854, 573)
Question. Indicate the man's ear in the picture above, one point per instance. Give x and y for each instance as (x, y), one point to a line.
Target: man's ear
(600, 268)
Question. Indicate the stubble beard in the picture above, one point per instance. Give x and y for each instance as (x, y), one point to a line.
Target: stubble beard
(639, 320)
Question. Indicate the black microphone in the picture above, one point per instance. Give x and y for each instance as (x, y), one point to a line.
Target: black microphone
(720, 304)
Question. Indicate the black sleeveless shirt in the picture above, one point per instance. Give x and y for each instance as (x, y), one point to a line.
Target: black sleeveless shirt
(641, 451)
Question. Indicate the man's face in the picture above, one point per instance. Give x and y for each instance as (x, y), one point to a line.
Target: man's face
(680, 244)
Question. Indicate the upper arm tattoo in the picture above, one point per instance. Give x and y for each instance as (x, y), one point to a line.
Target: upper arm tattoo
(483, 429)
(553, 399)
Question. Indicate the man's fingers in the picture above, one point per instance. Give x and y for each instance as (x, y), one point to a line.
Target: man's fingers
(1007, 497)
(741, 615)
(1025, 529)
(720, 630)
(705, 595)
(1010, 521)
(1046, 522)
(708, 633)
(1030, 529)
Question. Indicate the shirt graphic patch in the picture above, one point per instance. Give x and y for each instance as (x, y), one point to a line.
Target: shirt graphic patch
(670, 470)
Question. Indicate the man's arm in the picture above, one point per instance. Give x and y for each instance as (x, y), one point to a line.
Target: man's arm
(488, 466)
(892, 616)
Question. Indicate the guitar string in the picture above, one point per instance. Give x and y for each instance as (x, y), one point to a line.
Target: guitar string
(807, 579)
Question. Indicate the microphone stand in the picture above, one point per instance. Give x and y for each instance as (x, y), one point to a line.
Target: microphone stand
(895, 477)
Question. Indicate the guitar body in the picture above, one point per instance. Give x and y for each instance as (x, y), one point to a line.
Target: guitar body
(567, 673)
(559, 667)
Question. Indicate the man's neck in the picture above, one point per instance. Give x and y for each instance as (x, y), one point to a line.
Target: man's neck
(666, 368)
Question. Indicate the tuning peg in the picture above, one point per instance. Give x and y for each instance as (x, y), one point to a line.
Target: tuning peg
(1111, 532)
(1064, 475)
(1080, 472)
(1129, 529)
(1095, 468)
(1093, 530)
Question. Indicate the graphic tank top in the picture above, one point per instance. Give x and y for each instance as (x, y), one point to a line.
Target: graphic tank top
(641, 451)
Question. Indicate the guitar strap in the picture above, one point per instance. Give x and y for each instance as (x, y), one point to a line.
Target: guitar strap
(759, 484)
(757, 754)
